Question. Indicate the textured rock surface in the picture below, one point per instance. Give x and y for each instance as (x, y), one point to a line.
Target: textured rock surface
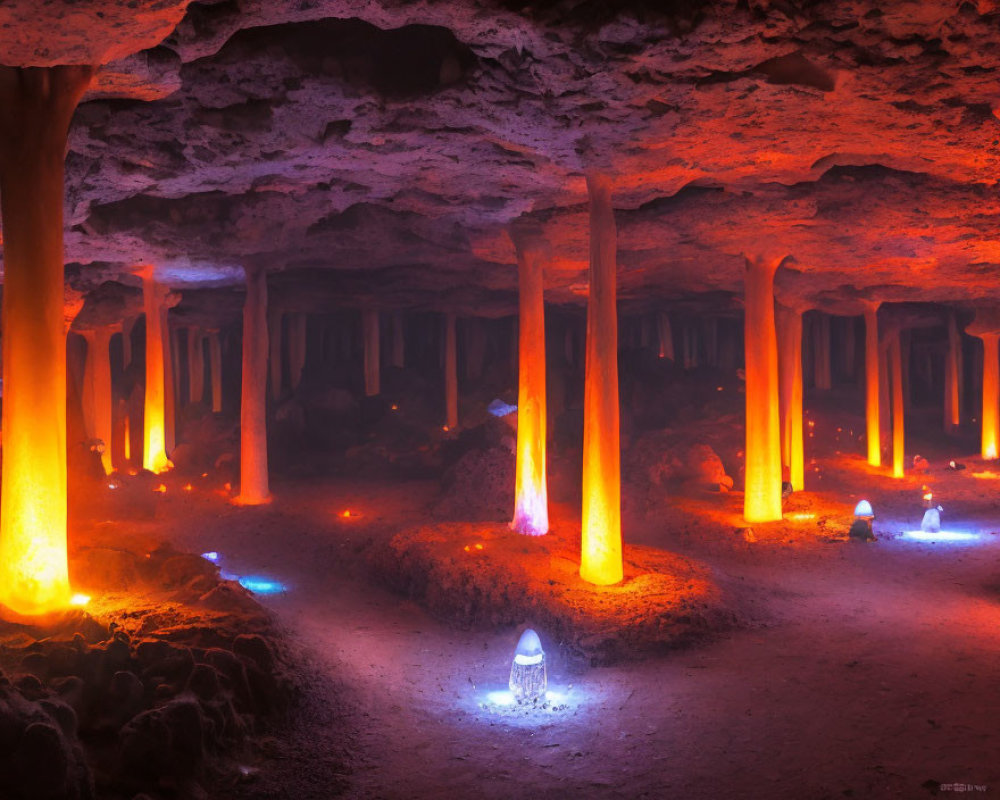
(366, 148)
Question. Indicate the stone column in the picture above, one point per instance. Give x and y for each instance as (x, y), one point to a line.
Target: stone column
(274, 339)
(215, 364)
(789, 328)
(531, 503)
(253, 394)
(872, 413)
(821, 351)
(953, 377)
(155, 299)
(450, 374)
(97, 390)
(666, 336)
(601, 560)
(762, 479)
(36, 106)
(369, 323)
(896, 378)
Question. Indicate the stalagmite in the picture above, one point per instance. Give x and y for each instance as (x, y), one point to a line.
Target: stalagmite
(155, 299)
(896, 378)
(36, 105)
(601, 559)
(274, 318)
(398, 341)
(196, 365)
(97, 390)
(450, 373)
(253, 395)
(666, 336)
(953, 377)
(872, 417)
(369, 323)
(215, 363)
(789, 322)
(531, 504)
(762, 492)
(297, 348)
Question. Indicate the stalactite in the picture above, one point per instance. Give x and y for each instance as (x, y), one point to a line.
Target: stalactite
(274, 318)
(531, 509)
(872, 393)
(898, 434)
(36, 105)
(601, 560)
(370, 326)
(254, 489)
(789, 329)
(450, 373)
(215, 362)
(762, 493)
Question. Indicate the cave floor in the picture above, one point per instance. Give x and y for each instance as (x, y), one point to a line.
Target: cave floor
(864, 671)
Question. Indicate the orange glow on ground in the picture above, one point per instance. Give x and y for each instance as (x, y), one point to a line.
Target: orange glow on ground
(188, 487)
(986, 474)
(872, 411)
(472, 548)
(162, 489)
(762, 493)
(601, 525)
(531, 502)
(154, 453)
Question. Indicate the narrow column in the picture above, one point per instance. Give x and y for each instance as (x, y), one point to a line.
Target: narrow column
(369, 323)
(991, 387)
(296, 348)
(952, 377)
(789, 323)
(196, 366)
(450, 373)
(398, 341)
(872, 414)
(274, 339)
(531, 504)
(127, 325)
(253, 395)
(154, 453)
(666, 336)
(171, 374)
(97, 390)
(762, 479)
(215, 363)
(36, 105)
(896, 378)
(601, 559)
(821, 351)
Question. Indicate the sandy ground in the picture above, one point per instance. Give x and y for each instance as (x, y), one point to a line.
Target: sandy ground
(869, 670)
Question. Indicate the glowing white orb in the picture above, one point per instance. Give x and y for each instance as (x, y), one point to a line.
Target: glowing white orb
(863, 509)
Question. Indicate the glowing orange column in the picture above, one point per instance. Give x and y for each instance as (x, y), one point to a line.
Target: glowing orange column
(952, 377)
(36, 105)
(170, 373)
(274, 345)
(154, 453)
(450, 373)
(369, 324)
(762, 475)
(896, 378)
(531, 501)
(991, 393)
(97, 390)
(254, 488)
(215, 364)
(790, 383)
(872, 413)
(601, 534)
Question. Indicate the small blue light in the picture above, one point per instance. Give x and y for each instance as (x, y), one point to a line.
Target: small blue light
(498, 408)
(941, 536)
(863, 509)
(259, 585)
(212, 556)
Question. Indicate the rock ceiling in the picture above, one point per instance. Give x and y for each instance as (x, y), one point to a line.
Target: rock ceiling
(375, 150)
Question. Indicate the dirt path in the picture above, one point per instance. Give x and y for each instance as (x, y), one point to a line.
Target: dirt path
(877, 673)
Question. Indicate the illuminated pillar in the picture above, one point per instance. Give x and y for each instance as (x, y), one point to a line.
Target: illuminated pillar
(601, 533)
(896, 378)
(789, 323)
(872, 414)
(253, 395)
(36, 105)
(666, 336)
(952, 377)
(97, 390)
(171, 380)
(762, 478)
(274, 339)
(296, 348)
(531, 503)
(215, 364)
(196, 366)
(154, 453)
(991, 394)
(369, 323)
(398, 341)
(450, 373)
